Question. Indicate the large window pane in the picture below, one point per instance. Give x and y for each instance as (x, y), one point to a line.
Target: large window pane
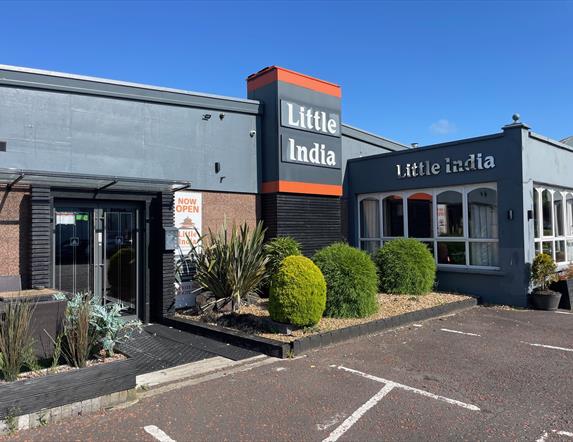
(420, 216)
(451, 253)
(558, 213)
(536, 212)
(546, 213)
(482, 213)
(449, 214)
(484, 254)
(569, 213)
(393, 216)
(369, 219)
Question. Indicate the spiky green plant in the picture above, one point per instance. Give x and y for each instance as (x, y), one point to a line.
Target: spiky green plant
(111, 327)
(16, 340)
(80, 334)
(232, 264)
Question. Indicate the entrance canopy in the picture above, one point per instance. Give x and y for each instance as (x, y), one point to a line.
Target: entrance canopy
(12, 177)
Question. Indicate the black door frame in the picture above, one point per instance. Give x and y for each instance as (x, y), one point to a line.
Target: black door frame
(142, 201)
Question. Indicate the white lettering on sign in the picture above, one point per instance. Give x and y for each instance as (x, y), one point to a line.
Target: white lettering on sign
(188, 208)
(310, 119)
(317, 154)
(427, 168)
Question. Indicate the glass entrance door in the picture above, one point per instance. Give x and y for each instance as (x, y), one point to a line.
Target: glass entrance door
(96, 249)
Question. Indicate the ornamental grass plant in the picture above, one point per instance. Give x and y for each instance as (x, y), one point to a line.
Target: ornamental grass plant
(231, 265)
(16, 343)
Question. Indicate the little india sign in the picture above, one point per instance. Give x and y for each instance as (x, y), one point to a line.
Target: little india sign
(428, 168)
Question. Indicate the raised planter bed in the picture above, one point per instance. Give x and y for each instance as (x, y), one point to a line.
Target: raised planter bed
(31, 395)
(565, 287)
(282, 349)
(47, 318)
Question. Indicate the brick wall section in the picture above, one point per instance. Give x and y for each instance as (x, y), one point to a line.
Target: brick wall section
(234, 207)
(14, 231)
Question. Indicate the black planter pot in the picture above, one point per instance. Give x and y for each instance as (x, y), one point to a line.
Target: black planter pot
(544, 299)
(564, 287)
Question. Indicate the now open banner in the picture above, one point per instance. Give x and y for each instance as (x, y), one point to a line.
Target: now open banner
(188, 208)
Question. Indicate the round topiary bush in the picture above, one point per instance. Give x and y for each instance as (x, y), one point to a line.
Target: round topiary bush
(405, 266)
(298, 292)
(276, 250)
(351, 281)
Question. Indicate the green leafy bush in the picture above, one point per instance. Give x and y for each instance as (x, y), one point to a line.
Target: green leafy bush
(543, 271)
(231, 266)
(298, 292)
(276, 250)
(16, 342)
(405, 266)
(90, 326)
(351, 281)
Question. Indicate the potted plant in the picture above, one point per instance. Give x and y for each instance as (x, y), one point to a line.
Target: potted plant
(543, 273)
(565, 287)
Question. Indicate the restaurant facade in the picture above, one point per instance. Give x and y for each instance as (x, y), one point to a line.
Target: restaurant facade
(101, 182)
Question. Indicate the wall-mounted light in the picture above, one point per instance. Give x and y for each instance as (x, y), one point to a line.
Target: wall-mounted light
(529, 214)
(252, 133)
(221, 115)
(206, 116)
(510, 214)
(217, 167)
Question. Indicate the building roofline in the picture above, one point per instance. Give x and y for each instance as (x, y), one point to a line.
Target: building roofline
(371, 138)
(44, 79)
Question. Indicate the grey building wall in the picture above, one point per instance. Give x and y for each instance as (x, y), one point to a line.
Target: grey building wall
(84, 126)
(509, 284)
(545, 161)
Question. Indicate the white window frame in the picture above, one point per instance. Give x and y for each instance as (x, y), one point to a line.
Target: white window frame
(434, 192)
(539, 237)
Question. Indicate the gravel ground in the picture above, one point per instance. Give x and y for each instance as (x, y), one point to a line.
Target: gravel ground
(390, 305)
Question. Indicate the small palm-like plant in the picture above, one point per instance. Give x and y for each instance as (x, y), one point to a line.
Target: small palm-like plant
(232, 264)
(15, 338)
(543, 271)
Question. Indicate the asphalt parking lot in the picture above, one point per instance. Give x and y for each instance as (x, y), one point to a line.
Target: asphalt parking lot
(482, 374)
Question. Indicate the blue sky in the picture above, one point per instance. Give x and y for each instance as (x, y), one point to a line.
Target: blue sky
(413, 71)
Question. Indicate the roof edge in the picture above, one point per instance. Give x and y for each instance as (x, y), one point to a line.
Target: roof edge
(122, 84)
(371, 138)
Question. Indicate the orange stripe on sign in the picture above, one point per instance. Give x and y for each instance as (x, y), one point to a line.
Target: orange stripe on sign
(298, 187)
(274, 73)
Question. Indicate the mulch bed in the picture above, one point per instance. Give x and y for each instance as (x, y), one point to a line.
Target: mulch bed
(254, 317)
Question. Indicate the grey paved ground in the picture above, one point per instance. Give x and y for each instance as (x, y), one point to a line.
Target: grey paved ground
(523, 392)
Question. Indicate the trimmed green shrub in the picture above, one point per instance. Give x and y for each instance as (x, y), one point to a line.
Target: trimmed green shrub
(298, 292)
(406, 266)
(543, 271)
(276, 250)
(351, 281)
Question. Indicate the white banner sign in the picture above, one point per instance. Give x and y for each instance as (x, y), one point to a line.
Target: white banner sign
(188, 208)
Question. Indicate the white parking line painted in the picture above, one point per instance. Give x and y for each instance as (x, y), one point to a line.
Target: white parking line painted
(158, 433)
(412, 389)
(459, 332)
(545, 435)
(552, 347)
(564, 313)
(416, 325)
(353, 418)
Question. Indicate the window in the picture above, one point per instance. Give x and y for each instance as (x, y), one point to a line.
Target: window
(459, 225)
(370, 225)
(393, 216)
(420, 215)
(449, 214)
(546, 213)
(553, 223)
